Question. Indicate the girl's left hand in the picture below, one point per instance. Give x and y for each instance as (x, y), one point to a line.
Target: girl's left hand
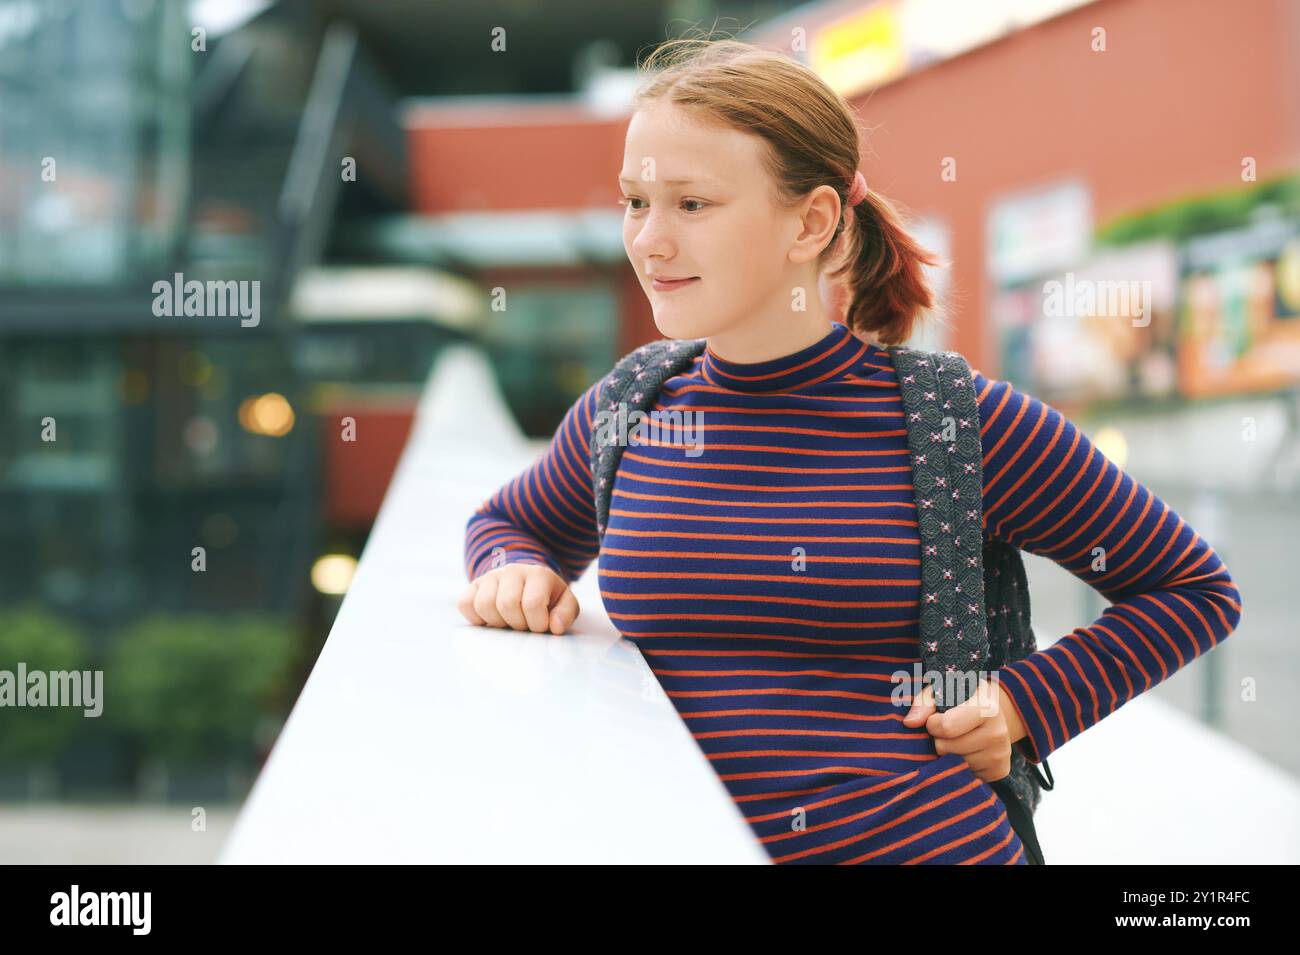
(981, 730)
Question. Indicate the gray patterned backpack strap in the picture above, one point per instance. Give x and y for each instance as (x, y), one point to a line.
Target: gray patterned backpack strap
(943, 428)
(633, 384)
(943, 424)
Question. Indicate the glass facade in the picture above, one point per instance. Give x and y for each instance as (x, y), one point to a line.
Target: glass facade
(94, 139)
(120, 456)
(549, 344)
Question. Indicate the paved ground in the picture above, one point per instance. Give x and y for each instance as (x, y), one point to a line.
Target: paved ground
(95, 835)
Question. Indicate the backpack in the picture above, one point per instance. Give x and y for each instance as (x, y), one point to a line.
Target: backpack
(975, 596)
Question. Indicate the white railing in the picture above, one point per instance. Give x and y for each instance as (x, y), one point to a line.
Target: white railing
(420, 738)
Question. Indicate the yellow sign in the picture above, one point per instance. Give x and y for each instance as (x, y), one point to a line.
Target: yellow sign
(860, 51)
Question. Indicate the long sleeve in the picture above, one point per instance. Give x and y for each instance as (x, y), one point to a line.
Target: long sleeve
(1050, 492)
(547, 514)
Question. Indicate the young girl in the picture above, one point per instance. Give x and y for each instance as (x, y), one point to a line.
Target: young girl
(741, 186)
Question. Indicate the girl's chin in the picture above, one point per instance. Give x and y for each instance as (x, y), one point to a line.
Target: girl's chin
(674, 323)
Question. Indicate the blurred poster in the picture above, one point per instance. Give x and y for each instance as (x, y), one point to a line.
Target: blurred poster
(1032, 236)
(1105, 328)
(1239, 310)
(1014, 312)
(1038, 231)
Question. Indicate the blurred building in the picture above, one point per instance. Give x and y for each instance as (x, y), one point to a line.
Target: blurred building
(147, 154)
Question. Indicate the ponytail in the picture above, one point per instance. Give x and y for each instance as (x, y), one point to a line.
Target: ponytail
(886, 287)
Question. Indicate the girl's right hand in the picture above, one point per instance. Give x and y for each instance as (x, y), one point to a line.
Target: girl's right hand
(522, 597)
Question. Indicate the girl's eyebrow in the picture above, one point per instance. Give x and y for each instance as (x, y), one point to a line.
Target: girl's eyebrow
(674, 182)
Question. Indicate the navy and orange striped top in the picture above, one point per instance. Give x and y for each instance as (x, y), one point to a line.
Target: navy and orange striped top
(772, 583)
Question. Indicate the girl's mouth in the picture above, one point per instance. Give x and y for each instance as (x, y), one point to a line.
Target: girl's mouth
(662, 286)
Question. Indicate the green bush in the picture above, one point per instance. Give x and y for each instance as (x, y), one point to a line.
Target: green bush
(42, 641)
(1201, 214)
(192, 688)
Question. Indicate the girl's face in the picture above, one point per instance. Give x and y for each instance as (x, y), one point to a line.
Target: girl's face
(719, 227)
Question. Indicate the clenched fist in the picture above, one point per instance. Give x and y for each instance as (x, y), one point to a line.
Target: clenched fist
(521, 597)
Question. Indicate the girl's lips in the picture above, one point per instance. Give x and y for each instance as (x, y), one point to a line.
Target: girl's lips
(661, 286)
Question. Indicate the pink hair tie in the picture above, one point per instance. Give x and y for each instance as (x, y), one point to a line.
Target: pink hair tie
(858, 191)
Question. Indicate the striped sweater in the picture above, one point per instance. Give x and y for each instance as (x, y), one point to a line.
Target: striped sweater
(772, 583)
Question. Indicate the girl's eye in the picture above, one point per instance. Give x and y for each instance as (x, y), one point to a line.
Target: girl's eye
(628, 200)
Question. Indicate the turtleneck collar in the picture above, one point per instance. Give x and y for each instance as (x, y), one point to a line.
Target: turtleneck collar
(837, 351)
